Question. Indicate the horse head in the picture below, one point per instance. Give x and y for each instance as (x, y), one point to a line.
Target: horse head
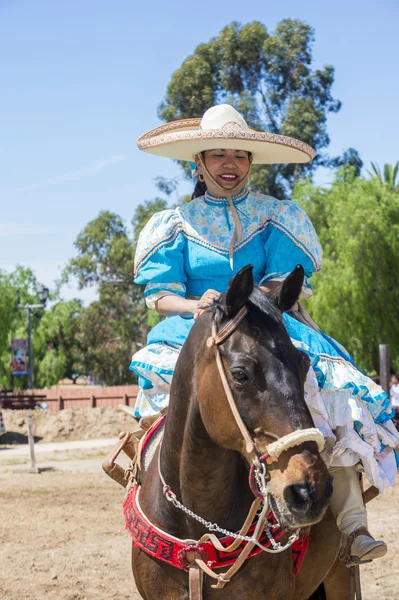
(265, 374)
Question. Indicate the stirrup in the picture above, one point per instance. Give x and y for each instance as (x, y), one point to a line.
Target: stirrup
(115, 471)
(129, 442)
(351, 560)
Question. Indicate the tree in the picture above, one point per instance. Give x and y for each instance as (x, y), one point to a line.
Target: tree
(269, 78)
(17, 288)
(115, 326)
(357, 294)
(350, 159)
(53, 331)
(58, 335)
(388, 176)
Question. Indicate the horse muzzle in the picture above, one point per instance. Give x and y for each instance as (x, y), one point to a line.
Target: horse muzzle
(301, 493)
(302, 500)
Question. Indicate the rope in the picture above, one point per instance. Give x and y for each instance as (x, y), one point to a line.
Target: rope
(295, 439)
(237, 233)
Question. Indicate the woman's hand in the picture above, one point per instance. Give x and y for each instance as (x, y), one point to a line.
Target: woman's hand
(206, 301)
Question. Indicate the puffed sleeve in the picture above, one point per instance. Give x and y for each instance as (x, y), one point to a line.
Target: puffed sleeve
(291, 240)
(159, 260)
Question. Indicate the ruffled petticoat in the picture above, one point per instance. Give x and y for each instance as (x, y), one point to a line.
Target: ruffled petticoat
(350, 409)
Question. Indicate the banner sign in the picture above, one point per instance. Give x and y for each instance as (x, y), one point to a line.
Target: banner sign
(18, 357)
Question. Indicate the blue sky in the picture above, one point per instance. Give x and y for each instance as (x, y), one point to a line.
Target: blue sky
(81, 80)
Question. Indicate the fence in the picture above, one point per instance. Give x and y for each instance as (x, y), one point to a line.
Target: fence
(81, 397)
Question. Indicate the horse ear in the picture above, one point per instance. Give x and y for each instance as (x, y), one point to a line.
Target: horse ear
(239, 290)
(288, 293)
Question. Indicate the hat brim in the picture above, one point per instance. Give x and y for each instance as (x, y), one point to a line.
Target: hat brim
(182, 140)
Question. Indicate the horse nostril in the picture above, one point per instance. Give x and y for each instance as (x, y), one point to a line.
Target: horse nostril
(298, 496)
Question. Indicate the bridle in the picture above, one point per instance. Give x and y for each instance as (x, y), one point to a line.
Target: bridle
(258, 473)
(281, 444)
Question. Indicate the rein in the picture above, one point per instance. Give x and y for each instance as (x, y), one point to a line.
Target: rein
(258, 473)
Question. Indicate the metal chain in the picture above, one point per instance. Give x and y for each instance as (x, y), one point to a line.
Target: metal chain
(260, 476)
(277, 547)
(210, 526)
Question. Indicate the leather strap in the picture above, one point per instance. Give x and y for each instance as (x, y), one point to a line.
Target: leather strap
(115, 471)
(195, 580)
(244, 530)
(222, 335)
(371, 493)
(248, 441)
(223, 578)
(355, 590)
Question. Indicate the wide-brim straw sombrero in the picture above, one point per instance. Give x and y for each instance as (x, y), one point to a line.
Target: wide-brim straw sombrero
(222, 127)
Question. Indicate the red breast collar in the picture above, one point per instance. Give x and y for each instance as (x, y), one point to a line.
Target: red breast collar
(167, 548)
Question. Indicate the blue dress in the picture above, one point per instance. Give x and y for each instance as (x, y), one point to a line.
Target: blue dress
(185, 251)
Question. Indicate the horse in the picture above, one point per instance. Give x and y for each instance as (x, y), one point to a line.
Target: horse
(205, 457)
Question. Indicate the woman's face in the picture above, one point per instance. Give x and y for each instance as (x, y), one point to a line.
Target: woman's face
(227, 167)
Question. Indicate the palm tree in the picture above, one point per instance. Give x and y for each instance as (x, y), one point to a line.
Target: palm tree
(388, 176)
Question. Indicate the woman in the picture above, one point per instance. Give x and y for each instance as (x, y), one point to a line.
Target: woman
(187, 255)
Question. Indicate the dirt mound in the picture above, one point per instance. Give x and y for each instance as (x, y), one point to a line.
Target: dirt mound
(69, 424)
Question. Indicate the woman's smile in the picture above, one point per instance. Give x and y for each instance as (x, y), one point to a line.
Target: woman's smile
(227, 167)
(228, 177)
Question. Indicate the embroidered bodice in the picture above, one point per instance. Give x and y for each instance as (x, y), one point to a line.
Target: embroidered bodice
(185, 250)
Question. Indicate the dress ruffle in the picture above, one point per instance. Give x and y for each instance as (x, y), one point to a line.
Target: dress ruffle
(353, 437)
(154, 365)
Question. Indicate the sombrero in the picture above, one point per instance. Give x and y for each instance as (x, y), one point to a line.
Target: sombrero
(222, 127)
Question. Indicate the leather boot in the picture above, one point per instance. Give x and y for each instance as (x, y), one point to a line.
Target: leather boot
(347, 505)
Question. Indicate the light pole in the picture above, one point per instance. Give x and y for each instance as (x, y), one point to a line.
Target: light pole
(43, 295)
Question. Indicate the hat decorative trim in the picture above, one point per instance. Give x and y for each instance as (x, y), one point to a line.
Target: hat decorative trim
(161, 129)
(151, 139)
(222, 127)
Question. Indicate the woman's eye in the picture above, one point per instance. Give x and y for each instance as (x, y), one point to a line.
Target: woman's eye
(239, 375)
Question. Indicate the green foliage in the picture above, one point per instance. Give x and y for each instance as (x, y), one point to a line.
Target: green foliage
(388, 176)
(58, 333)
(357, 294)
(111, 329)
(105, 252)
(55, 354)
(69, 340)
(269, 78)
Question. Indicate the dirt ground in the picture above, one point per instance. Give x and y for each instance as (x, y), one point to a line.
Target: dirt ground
(62, 535)
(67, 425)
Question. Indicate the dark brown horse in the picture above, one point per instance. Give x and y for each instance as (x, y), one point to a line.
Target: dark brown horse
(205, 463)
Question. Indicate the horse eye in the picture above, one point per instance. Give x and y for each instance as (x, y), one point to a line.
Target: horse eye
(239, 375)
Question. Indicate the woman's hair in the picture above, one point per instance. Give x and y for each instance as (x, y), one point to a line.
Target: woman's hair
(199, 190)
(200, 186)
